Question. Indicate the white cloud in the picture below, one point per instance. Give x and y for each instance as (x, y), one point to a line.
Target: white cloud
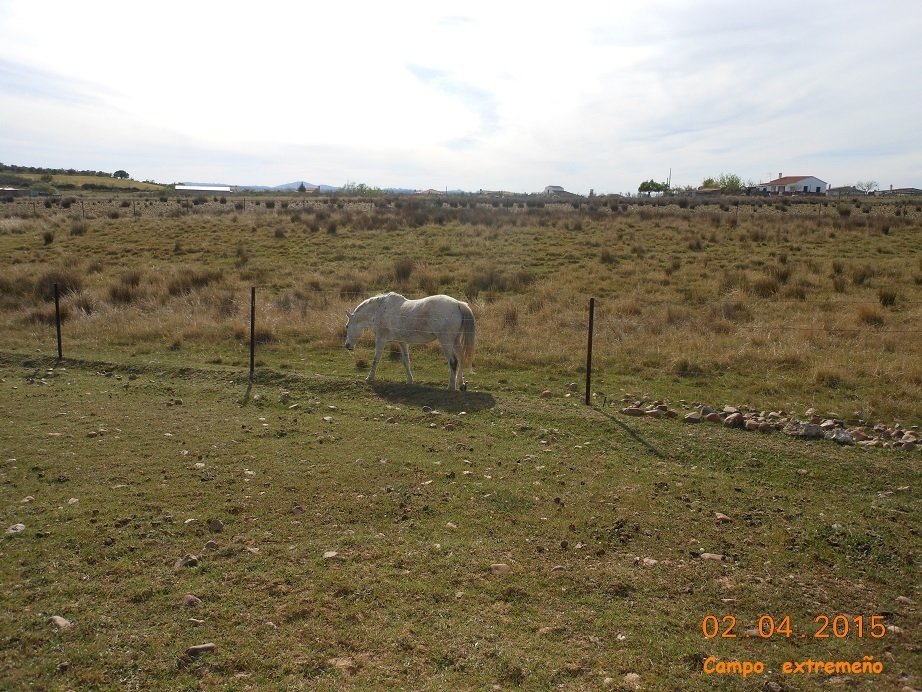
(471, 95)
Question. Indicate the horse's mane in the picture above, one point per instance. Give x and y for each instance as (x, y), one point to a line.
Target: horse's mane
(374, 300)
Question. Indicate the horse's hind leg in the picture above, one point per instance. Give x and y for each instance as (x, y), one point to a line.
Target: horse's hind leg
(453, 364)
(405, 354)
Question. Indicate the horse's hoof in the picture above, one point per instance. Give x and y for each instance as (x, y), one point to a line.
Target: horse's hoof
(464, 387)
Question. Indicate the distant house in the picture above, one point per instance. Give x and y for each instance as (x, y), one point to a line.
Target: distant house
(554, 190)
(794, 185)
(430, 191)
(845, 191)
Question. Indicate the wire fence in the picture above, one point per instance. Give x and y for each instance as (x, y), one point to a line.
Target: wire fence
(597, 313)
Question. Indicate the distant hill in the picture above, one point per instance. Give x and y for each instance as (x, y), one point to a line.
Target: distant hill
(287, 187)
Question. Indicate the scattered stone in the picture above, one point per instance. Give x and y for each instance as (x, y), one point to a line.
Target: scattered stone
(215, 525)
(632, 681)
(809, 431)
(187, 561)
(649, 561)
(328, 419)
(499, 568)
(840, 436)
(196, 622)
(16, 528)
(211, 545)
(73, 501)
(712, 417)
(330, 554)
(297, 509)
(734, 420)
(653, 413)
(342, 663)
(904, 600)
(692, 418)
(451, 525)
(60, 623)
(632, 411)
(191, 600)
(26, 500)
(766, 427)
(200, 649)
(717, 557)
(547, 394)
(722, 518)
(751, 424)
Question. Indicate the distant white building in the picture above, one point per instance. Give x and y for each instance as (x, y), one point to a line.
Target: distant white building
(794, 185)
(553, 190)
(192, 187)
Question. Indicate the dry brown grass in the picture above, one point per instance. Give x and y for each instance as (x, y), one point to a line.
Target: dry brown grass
(751, 312)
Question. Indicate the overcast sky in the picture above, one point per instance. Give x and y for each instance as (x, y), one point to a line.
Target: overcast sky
(470, 95)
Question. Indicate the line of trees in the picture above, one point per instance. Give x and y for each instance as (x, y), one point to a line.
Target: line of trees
(57, 171)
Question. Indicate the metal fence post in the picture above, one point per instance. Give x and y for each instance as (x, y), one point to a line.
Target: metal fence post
(589, 350)
(252, 331)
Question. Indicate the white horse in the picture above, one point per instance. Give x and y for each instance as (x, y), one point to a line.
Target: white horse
(394, 318)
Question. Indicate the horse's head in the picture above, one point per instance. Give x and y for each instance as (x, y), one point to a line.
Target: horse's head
(354, 329)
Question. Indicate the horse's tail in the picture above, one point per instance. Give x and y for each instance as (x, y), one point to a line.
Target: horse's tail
(464, 342)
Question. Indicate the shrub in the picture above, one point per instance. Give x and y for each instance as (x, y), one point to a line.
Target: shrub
(352, 289)
(78, 227)
(607, 257)
(887, 297)
(870, 315)
(839, 284)
(188, 280)
(861, 274)
(48, 237)
(68, 281)
(403, 269)
(765, 286)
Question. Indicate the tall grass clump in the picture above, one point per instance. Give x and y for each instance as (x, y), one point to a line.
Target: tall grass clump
(68, 281)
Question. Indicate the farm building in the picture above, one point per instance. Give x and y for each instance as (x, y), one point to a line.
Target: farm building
(194, 187)
(553, 190)
(845, 191)
(902, 191)
(794, 185)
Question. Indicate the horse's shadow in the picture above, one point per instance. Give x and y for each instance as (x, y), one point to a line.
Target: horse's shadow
(437, 398)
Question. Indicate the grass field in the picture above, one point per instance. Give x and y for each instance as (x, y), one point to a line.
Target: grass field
(78, 181)
(363, 528)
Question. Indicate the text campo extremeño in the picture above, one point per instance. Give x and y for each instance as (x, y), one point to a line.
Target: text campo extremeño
(867, 665)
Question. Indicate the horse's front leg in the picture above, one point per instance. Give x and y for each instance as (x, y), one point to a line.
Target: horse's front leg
(405, 354)
(379, 349)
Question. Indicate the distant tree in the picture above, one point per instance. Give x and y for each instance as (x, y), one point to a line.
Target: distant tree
(709, 182)
(866, 186)
(729, 183)
(121, 174)
(648, 186)
(351, 189)
(301, 187)
(46, 178)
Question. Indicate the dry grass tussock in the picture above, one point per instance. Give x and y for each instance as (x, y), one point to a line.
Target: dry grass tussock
(778, 307)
